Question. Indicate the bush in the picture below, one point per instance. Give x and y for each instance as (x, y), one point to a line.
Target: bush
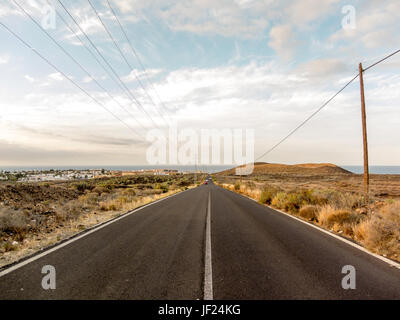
(381, 232)
(279, 200)
(70, 210)
(164, 188)
(347, 200)
(12, 221)
(309, 212)
(267, 194)
(99, 190)
(8, 246)
(89, 198)
(237, 186)
(82, 186)
(108, 184)
(293, 201)
(130, 192)
(328, 216)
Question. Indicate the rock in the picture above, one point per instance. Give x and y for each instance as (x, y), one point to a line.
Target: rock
(14, 243)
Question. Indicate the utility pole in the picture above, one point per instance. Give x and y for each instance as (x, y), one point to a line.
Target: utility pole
(365, 141)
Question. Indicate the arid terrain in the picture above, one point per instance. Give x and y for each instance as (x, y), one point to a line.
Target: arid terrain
(318, 176)
(36, 215)
(329, 196)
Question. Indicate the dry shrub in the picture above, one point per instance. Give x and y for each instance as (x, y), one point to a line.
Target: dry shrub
(381, 232)
(228, 186)
(8, 246)
(293, 201)
(267, 194)
(250, 189)
(329, 216)
(13, 221)
(116, 204)
(89, 199)
(237, 186)
(130, 192)
(70, 210)
(347, 200)
(279, 201)
(309, 212)
(100, 190)
(110, 205)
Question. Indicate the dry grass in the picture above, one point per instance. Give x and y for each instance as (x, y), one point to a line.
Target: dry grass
(328, 216)
(13, 222)
(309, 212)
(380, 232)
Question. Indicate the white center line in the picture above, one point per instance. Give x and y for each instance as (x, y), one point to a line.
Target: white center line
(208, 286)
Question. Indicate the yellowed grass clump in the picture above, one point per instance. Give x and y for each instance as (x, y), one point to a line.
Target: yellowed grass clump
(329, 215)
(309, 212)
(380, 232)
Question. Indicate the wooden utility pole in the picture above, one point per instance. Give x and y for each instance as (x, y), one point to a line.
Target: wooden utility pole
(365, 141)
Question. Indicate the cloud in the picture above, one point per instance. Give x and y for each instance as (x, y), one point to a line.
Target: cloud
(29, 78)
(56, 76)
(4, 59)
(303, 12)
(323, 68)
(16, 155)
(7, 9)
(261, 96)
(82, 137)
(134, 74)
(283, 41)
(376, 23)
(87, 79)
(245, 18)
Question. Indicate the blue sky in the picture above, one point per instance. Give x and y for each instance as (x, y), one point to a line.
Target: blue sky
(264, 65)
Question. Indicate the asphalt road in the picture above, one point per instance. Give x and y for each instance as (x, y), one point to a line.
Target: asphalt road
(159, 252)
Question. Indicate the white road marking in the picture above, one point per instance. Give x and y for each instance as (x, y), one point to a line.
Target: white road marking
(355, 245)
(84, 234)
(208, 285)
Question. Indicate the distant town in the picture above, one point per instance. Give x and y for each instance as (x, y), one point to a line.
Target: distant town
(73, 174)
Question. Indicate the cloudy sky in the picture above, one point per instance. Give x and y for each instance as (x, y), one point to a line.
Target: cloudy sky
(264, 65)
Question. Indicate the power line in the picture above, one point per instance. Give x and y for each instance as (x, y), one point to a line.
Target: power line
(74, 60)
(124, 58)
(306, 120)
(137, 57)
(97, 60)
(378, 62)
(68, 78)
(127, 90)
(323, 106)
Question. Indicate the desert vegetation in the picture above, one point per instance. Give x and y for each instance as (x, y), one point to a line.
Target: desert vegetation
(35, 215)
(375, 225)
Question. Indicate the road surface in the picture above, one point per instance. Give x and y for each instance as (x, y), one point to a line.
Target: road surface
(163, 252)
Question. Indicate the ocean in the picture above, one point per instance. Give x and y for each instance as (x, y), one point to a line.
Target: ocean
(374, 169)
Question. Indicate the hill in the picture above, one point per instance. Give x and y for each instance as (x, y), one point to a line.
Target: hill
(262, 168)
